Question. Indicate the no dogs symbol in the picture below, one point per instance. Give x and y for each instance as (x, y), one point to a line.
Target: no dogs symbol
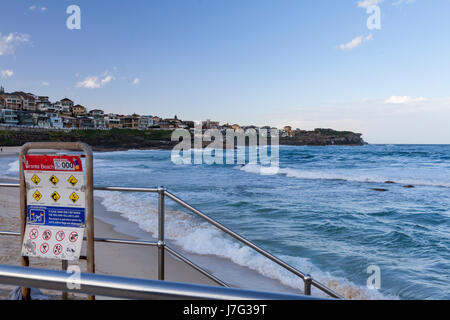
(57, 249)
(73, 237)
(47, 235)
(34, 233)
(44, 248)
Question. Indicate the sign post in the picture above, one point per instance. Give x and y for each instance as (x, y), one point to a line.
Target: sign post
(56, 205)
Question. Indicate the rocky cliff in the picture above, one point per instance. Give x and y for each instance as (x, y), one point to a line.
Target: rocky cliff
(123, 139)
(323, 137)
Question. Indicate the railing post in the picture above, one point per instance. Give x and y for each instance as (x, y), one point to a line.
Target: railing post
(161, 243)
(308, 282)
(65, 266)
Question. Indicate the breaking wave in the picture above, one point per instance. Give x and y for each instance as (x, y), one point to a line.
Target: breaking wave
(195, 236)
(324, 175)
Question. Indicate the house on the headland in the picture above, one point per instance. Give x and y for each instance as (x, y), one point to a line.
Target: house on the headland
(99, 123)
(156, 120)
(97, 113)
(43, 104)
(78, 110)
(55, 121)
(112, 121)
(129, 122)
(208, 124)
(28, 101)
(98, 117)
(41, 120)
(163, 124)
(67, 103)
(287, 132)
(8, 116)
(172, 122)
(145, 122)
(84, 122)
(69, 122)
(60, 108)
(26, 118)
(11, 101)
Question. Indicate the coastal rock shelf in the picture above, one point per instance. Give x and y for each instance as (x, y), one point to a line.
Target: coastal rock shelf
(123, 139)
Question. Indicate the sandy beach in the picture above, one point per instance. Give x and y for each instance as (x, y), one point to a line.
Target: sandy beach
(113, 259)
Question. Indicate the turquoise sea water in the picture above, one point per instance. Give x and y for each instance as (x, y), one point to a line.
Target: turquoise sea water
(319, 212)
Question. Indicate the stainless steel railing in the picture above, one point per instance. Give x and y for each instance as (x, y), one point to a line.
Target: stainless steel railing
(128, 288)
(309, 282)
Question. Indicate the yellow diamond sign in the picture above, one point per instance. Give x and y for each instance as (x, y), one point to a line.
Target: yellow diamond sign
(55, 196)
(37, 195)
(35, 179)
(74, 197)
(54, 180)
(72, 180)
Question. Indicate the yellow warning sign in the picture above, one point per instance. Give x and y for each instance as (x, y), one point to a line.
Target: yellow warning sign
(74, 197)
(55, 196)
(37, 195)
(54, 180)
(72, 180)
(35, 179)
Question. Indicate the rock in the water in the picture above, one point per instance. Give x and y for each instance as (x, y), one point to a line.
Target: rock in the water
(390, 182)
(409, 186)
(380, 190)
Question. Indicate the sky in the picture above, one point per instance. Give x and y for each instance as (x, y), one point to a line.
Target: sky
(308, 64)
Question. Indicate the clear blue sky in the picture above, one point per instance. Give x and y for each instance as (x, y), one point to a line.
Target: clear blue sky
(277, 62)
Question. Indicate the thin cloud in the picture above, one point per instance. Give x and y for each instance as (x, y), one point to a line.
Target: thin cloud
(32, 8)
(368, 3)
(7, 73)
(94, 82)
(355, 42)
(9, 43)
(400, 2)
(136, 81)
(403, 100)
(45, 83)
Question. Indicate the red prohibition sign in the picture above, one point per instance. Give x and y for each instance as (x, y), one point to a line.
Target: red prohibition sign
(73, 237)
(47, 235)
(60, 235)
(44, 248)
(57, 249)
(34, 233)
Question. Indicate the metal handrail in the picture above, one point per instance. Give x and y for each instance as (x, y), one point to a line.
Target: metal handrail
(162, 192)
(307, 278)
(129, 288)
(146, 243)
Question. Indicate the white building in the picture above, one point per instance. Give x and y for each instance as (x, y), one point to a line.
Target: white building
(55, 121)
(9, 116)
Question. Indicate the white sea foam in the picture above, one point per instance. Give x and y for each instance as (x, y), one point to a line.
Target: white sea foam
(13, 167)
(352, 177)
(198, 237)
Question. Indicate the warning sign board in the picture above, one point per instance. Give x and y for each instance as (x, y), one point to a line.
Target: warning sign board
(56, 212)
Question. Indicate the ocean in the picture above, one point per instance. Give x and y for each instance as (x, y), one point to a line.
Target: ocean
(320, 212)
